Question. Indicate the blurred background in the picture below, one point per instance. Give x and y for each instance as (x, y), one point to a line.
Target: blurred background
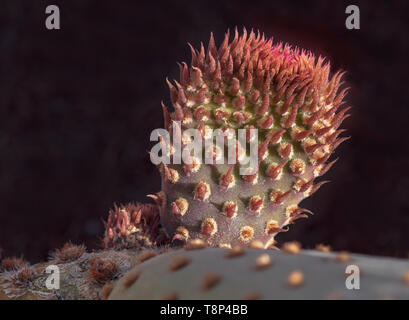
(77, 106)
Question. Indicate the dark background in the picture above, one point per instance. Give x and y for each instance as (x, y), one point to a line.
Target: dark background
(77, 107)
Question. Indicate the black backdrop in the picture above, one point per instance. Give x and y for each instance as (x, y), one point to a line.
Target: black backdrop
(77, 107)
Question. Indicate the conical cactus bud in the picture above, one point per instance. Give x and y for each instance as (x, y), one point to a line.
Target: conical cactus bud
(134, 225)
(288, 96)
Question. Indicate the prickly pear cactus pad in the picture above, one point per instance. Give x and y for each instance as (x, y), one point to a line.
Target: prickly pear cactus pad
(82, 275)
(238, 273)
(288, 96)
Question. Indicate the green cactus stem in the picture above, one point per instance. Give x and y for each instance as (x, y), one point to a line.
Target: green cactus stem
(246, 273)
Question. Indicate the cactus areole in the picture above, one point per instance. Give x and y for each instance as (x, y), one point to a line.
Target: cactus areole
(289, 97)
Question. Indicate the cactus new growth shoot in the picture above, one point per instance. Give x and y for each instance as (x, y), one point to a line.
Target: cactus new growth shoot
(288, 97)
